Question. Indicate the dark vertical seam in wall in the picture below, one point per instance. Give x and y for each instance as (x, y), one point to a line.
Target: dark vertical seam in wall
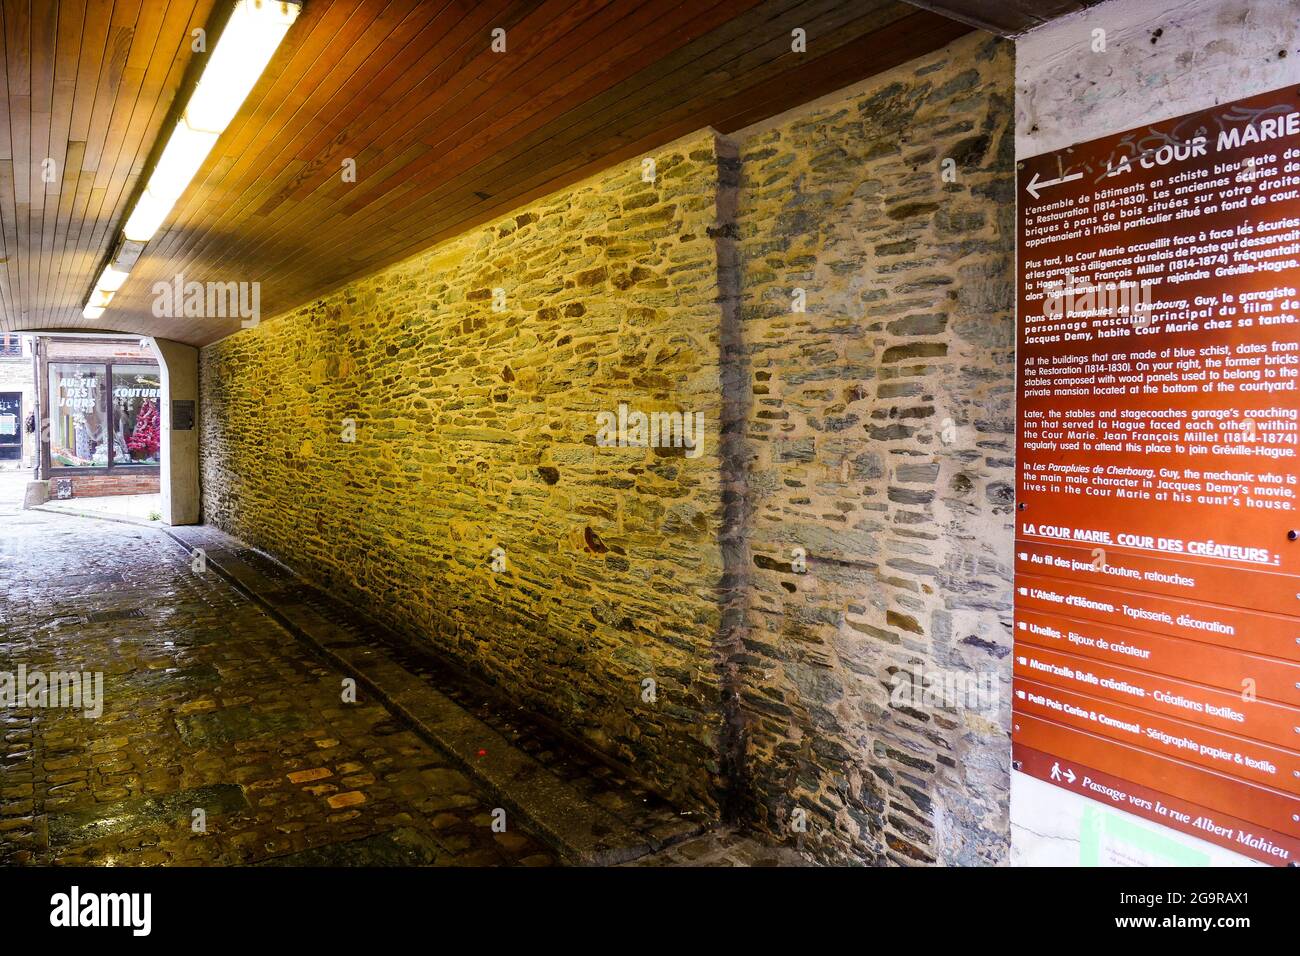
(200, 446)
(733, 456)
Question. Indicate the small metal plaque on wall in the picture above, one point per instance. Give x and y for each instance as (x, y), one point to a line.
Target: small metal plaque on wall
(182, 416)
(62, 488)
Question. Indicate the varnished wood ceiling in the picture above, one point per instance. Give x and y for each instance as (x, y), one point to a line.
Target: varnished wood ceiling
(445, 132)
(85, 89)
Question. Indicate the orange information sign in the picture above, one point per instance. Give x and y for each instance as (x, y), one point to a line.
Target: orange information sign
(1158, 507)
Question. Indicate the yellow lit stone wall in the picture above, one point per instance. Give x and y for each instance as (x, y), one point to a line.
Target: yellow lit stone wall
(470, 379)
(845, 528)
(881, 440)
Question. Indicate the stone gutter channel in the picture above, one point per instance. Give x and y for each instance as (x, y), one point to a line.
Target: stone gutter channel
(587, 817)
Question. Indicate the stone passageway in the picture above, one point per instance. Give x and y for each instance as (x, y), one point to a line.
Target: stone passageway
(209, 705)
(632, 457)
(648, 434)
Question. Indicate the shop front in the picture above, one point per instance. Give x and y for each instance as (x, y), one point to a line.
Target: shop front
(17, 402)
(103, 409)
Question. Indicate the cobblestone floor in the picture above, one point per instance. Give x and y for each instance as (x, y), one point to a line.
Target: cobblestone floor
(209, 706)
(724, 847)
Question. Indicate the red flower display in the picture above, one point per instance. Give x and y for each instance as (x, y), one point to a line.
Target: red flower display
(146, 437)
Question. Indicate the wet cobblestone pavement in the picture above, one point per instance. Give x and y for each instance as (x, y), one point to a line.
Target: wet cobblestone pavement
(224, 739)
(208, 706)
(592, 812)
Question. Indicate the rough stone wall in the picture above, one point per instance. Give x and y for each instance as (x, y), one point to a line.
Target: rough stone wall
(873, 431)
(881, 439)
(475, 429)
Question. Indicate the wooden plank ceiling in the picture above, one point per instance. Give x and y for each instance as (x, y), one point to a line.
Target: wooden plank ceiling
(1006, 18)
(445, 133)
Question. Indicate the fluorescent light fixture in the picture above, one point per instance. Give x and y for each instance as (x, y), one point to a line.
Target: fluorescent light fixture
(249, 40)
(185, 153)
(92, 312)
(246, 45)
(180, 160)
(110, 280)
(149, 213)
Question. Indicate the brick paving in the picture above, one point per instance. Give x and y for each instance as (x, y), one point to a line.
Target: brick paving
(209, 705)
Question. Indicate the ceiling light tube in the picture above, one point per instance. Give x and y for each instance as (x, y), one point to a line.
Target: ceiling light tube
(110, 280)
(185, 153)
(247, 42)
(100, 298)
(148, 215)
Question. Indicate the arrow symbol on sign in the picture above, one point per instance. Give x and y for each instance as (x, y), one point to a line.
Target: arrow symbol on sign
(1069, 775)
(1036, 184)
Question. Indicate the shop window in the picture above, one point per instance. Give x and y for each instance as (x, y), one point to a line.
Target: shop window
(11, 434)
(137, 423)
(78, 416)
(104, 415)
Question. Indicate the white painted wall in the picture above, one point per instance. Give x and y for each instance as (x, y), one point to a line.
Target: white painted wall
(1205, 52)
(1208, 52)
(1053, 827)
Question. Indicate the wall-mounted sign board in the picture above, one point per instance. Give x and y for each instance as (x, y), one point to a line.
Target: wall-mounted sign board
(1157, 660)
(182, 415)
